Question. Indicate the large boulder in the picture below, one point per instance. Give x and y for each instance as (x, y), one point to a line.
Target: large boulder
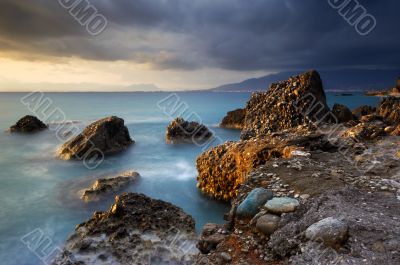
(254, 200)
(389, 109)
(298, 101)
(28, 124)
(136, 230)
(222, 169)
(234, 119)
(342, 113)
(363, 110)
(333, 232)
(181, 131)
(103, 137)
(105, 186)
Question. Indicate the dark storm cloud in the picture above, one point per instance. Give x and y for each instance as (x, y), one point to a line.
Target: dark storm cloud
(228, 34)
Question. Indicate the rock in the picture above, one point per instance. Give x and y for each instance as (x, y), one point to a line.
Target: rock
(389, 109)
(234, 119)
(342, 113)
(268, 224)
(181, 131)
(396, 131)
(226, 257)
(28, 124)
(256, 198)
(106, 186)
(364, 132)
(136, 230)
(332, 231)
(103, 137)
(210, 238)
(222, 169)
(288, 104)
(363, 110)
(373, 118)
(282, 205)
(389, 129)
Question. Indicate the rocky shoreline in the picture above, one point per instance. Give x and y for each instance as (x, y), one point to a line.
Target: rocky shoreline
(307, 185)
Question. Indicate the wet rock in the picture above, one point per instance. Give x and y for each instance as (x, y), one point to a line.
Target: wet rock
(389, 109)
(103, 137)
(396, 131)
(282, 205)
(105, 186)
(181, 131)
(210, 237)
(268, 224)
(363, 110)
(256, 198)
(365, 132)
(234, 119)
(28, 124)
(298, 101)
(331, 231)
(342, 113)
(136, 230)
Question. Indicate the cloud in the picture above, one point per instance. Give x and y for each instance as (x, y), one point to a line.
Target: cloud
(239, 35)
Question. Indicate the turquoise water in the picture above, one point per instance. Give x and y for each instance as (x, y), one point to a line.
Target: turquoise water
(37, 190)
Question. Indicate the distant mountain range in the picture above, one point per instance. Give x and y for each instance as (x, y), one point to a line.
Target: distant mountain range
(337, 80)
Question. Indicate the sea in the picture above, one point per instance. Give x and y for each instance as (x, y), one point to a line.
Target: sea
(39, 193)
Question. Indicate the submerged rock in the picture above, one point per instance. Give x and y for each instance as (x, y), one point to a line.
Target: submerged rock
(298, 101)
(331, 231)
(389, 109)
(256, 198)
(103, 137)
(179, 131)
(105, 186)
(28, 124)
(342, 113)
(282, 205)
(234, 119)
(136, 230)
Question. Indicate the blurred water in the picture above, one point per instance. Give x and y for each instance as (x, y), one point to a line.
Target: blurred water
(37, 190)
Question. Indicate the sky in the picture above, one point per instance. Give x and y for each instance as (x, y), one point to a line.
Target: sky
(184, 44)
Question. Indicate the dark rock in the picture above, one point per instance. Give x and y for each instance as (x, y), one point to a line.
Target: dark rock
(28, 124)
(365, 132)
(268, 224)
(342, 113)
(363, 110)
(298, 101)
(210, 238)
(389, 109)
(331, 231)
(256, 198)
(181, 131)
(105, 186)
(234, 119)
(136, 230)
(103, 137)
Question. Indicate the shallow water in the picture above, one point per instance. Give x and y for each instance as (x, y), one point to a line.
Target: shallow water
(37, 190)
